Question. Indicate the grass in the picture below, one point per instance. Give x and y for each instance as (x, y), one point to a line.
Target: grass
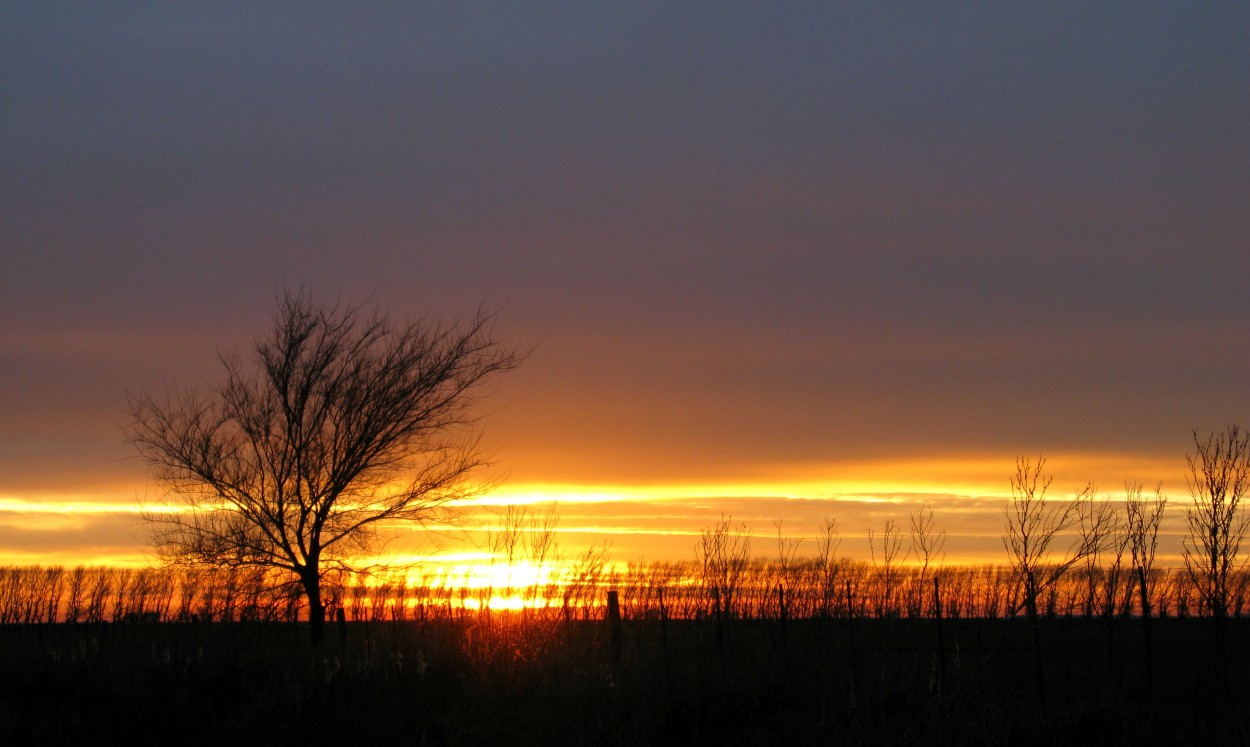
(502, 679)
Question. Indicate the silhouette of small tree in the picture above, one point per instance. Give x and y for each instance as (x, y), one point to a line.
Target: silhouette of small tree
(886, 570)
(1219, 477)
(1144, 515)
(928, 544)
(344, 423)
(723, 553)
(1033, 525)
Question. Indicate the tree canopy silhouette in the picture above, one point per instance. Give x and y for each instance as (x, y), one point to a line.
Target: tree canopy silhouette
(1219, 479)
(344, 424)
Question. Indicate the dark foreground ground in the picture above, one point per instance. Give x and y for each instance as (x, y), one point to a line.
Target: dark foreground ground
(503, 680)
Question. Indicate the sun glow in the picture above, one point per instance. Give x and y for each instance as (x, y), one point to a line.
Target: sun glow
(639, 521)
(488, 583)
(501, 576)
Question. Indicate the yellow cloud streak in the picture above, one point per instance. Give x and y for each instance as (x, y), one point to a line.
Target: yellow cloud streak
(865, 481)
(68, 506)
(957, 487)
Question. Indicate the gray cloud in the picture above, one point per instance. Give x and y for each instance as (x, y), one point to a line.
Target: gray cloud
(738, 237)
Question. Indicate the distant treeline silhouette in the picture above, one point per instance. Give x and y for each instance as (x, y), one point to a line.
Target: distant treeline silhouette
(760, 589)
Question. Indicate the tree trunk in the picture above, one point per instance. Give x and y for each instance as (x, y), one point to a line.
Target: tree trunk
(937, 616)
(1031, 593)
(316, 609)
(1145, 621)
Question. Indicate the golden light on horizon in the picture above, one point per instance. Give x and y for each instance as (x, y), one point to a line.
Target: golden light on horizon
(644, 520)
(955, 475)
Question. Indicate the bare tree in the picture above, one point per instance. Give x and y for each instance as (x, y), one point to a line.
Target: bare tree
(76, 592)
(886, 570)
(583, 578)
(1143, 519)
(1033, 525)
(787, 549)
(1103, 533)
(1144, 515)
(346, 423)
(723, 552)
(827, 544)
(1219, 476)
(928, 544)
(543, 546)
(541, 541)
(927, 541)
(506, 541)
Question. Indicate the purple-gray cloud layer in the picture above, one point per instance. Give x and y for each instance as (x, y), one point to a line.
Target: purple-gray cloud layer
(738, 236)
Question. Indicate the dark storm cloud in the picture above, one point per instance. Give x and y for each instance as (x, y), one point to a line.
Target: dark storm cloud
(737, 234)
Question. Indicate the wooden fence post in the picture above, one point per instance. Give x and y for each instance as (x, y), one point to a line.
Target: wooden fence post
(659, 592)
(614, 624)
(937, 616)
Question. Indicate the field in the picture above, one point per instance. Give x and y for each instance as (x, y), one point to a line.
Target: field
(531, 678)
(776, 652)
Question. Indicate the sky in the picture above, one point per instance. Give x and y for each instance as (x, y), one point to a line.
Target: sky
(770, 261)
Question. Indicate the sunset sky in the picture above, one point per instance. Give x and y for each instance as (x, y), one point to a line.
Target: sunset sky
(775, 261)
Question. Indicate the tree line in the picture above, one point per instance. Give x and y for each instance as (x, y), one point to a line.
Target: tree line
(674, 590)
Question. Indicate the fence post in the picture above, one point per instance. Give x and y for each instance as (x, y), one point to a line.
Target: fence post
(614, 624)
(782, 612)
(937, 615)
(659, 593)
(853, 652)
